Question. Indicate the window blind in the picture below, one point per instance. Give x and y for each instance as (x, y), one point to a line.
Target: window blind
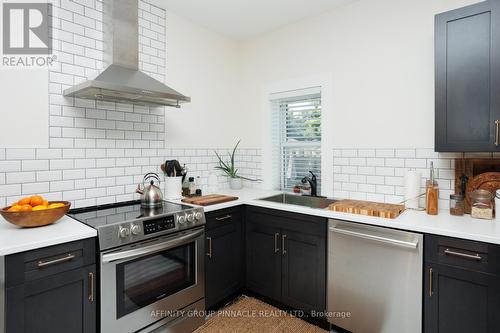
(296, 138)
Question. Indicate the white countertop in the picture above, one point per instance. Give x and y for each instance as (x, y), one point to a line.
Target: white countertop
(444, 224)
(14, 239)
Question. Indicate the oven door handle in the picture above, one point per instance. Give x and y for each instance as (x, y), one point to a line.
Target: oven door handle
(110, 257)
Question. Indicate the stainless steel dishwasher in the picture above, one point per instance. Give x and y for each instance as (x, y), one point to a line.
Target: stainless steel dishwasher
(374, 278)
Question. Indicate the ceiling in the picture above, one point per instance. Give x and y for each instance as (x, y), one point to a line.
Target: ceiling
(244, 19)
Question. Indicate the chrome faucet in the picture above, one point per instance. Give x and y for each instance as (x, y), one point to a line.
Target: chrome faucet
(313, 182)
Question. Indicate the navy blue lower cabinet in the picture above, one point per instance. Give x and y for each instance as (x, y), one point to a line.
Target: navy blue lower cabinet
(224, 261)
(49, 291)
(461, 287)
(286, 258)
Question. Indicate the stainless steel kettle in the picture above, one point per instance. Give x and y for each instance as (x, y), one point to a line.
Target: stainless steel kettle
(151, 195)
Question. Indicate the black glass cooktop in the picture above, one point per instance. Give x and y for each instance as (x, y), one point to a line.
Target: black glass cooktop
(97, 216)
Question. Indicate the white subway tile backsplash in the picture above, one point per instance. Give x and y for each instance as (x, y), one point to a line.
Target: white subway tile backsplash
(48, 153)
(43, 176)
(376, 162)
(415, 163)
(20, 177)
(20, 154)
(85, 183)
(73, 195)
(383, 177)
(35, 165)
(73, 174)
(9, 190)
(35, 188)
(61, 164)
(385, 152)
(395, 162)
(384, 171)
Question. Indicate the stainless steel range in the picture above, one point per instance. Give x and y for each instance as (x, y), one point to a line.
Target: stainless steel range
(151, 266)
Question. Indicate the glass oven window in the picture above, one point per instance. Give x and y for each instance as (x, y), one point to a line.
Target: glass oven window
(148, 279)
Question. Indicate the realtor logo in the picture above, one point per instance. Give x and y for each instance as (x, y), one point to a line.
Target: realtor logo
(26, 28)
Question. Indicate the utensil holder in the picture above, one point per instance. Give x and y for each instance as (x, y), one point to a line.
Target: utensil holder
(173, 188)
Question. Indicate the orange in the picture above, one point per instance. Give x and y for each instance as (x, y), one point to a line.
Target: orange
(14, 208)
(56, 205)
(26, 208)
(39, 207)
(36, 200)
(45, 203)
(24, 201)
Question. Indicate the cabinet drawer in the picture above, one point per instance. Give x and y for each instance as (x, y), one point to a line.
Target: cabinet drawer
(308, 224)
(223, 217)
(40, 263)
(471, 255)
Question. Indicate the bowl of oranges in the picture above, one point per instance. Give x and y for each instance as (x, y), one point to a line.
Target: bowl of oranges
(35, 211)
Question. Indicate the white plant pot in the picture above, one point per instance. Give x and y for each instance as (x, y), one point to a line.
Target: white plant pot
(235, 183)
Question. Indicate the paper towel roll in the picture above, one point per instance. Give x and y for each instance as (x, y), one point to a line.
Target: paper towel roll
(412, 188)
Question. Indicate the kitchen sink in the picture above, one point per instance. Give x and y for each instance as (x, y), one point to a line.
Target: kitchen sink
(300, 200)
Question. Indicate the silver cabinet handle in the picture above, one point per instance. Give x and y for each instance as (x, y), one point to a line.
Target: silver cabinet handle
(227, 217)
(463, 255)
(68, 257)
(141, 251)
(397, 242)
(497, 138)
(431, 277)
(91, 287)
(283, 239)
(209, 254)
(276, 240)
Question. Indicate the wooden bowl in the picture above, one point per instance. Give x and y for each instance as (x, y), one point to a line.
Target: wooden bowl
(37, 218)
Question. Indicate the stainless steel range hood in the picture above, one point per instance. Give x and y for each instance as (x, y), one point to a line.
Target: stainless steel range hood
(121, 81)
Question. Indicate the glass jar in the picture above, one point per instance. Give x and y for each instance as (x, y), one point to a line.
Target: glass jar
(457, 206)
(482, 204)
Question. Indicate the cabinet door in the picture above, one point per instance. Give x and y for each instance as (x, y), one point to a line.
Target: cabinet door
(224, 263)
(467, 83)
(263, 259)
(59, 303)
(458, 300)
(303, 275)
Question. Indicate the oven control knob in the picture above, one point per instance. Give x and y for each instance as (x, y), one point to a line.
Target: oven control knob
(181, 219)
(198, 216)
(124, 232)
(135, 229)
(190, 217)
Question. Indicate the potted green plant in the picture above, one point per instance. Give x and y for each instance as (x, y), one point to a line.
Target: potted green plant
(235, 181)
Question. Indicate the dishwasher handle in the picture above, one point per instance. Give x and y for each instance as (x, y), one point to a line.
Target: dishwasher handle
(386, 240)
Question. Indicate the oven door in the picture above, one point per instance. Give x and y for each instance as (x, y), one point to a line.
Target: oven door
(143, 280)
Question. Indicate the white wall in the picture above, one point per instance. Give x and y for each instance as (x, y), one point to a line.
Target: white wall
(379, 56)
(205, 66)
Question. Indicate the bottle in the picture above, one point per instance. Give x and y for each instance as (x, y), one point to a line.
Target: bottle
(431, 193)
(198, 185)
(192, 186)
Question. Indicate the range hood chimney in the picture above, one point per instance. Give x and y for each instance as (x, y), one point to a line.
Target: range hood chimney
(121, 80)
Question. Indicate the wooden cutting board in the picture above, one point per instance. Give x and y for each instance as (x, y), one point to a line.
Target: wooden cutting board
(368, 208)
(207, 200)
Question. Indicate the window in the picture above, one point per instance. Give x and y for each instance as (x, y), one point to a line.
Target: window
(296, 137)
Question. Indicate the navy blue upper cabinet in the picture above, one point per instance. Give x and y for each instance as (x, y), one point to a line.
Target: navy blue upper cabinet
(467, 83)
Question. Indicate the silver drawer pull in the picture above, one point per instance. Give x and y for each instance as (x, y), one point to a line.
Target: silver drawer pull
(227, 217)
(209, 254)
(91, 287)
(463, 255)
(276, 240)
(68, 257)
